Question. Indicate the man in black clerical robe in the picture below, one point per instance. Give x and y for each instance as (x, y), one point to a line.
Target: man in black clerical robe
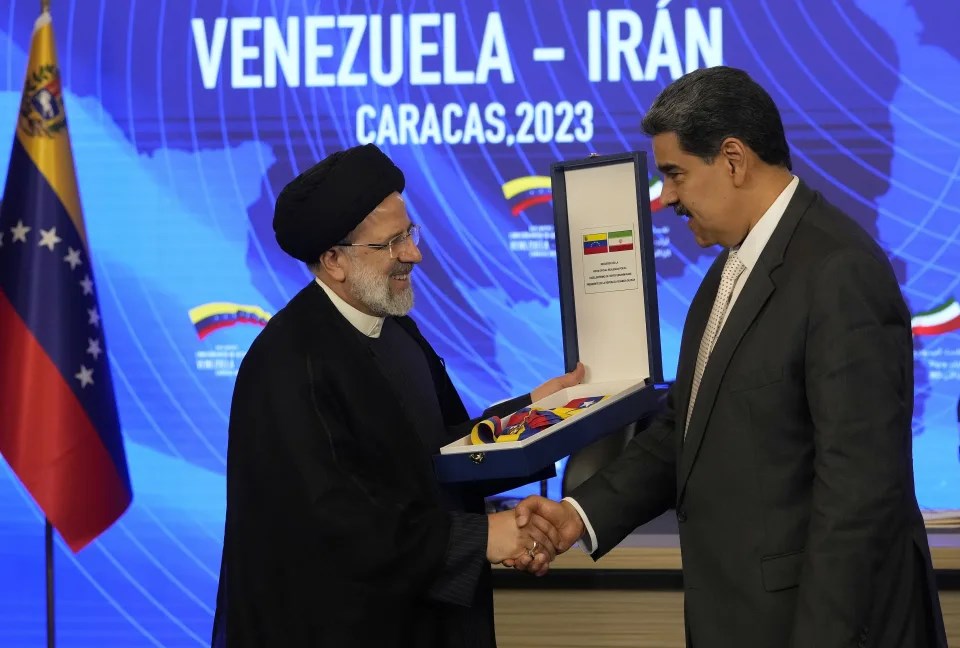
(337, 532)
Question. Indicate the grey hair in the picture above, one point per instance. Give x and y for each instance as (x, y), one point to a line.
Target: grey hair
(705, 107)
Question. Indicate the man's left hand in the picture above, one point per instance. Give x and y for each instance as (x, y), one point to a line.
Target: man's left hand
(554, 385)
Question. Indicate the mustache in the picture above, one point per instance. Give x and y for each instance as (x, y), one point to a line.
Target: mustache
(681, 210)
(401, 268)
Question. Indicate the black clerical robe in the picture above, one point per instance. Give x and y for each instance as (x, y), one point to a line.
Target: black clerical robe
(337, 532)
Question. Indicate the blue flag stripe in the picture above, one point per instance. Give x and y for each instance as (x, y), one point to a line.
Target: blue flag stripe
(47, 289)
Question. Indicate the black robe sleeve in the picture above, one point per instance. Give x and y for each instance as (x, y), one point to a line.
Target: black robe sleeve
(353, 521)
(336, 528)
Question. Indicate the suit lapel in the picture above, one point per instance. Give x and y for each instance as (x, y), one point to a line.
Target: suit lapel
(755, 293)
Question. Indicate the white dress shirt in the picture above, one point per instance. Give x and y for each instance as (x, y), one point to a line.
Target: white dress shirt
(748, 253)
(369, 325)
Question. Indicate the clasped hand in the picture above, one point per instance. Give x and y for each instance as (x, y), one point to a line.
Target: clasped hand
(529, 537)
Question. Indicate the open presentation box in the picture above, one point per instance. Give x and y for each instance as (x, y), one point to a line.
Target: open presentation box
(608, 309)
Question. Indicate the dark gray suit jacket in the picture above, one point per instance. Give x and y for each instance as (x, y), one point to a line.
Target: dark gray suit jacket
(794, 492)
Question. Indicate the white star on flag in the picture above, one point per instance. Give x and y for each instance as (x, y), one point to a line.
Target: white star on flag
(93, 348)
(49, 238)
(19, 232)
(87, 285)
(94, 316)
(85, 376)
(73, 258)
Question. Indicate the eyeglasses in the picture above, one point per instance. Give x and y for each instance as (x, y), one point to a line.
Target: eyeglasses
(412, 235)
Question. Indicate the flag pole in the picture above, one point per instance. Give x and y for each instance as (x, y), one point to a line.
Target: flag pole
(47, 527)
(48, 543)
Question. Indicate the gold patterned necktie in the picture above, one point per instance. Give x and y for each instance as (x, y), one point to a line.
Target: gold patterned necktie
(732, 270)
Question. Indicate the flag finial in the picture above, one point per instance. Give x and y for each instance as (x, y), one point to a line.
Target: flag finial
(44, 6)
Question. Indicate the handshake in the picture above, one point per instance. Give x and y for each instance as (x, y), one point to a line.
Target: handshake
(529, 537)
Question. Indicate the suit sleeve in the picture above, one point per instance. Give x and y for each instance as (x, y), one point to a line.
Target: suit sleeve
(859, 389)
(637, 487)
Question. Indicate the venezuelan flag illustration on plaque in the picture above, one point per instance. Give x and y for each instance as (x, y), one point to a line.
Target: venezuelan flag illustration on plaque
(595, 243)
(59, 428)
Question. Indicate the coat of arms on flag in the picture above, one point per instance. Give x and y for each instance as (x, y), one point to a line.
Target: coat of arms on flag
(41, 109)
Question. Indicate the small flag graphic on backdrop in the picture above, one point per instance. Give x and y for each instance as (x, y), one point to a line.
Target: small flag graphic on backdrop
(620, 241)
(594, 243)
(213, 316)
(656, 188)
(942, 319)
(529, 191)
(59, 429)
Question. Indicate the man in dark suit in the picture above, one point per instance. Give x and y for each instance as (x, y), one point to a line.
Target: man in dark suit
(337, 532)
(785, 444)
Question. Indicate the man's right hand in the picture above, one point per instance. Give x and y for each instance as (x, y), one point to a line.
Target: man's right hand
(547, 515)
(506, 540)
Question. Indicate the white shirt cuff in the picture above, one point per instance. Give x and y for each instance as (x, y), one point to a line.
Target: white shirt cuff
(588, 541)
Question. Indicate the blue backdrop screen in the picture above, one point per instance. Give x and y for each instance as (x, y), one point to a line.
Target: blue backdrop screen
(187, 118)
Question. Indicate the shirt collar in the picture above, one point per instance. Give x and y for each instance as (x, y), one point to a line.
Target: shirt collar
(369, 325)
(749, 251)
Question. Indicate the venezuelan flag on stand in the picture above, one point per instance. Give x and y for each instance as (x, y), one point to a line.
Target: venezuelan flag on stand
(59, 429)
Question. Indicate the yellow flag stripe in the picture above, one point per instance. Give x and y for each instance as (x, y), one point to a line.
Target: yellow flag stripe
(52, 155)
(204, 311)
(517, 186)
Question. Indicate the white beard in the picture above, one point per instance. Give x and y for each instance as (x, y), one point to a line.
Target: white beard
(372, 289)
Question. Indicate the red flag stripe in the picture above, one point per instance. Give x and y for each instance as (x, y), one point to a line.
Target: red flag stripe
(526, 203)
(938, 329)
(71, 475)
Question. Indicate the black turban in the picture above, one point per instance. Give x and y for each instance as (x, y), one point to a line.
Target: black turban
(319, 207)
